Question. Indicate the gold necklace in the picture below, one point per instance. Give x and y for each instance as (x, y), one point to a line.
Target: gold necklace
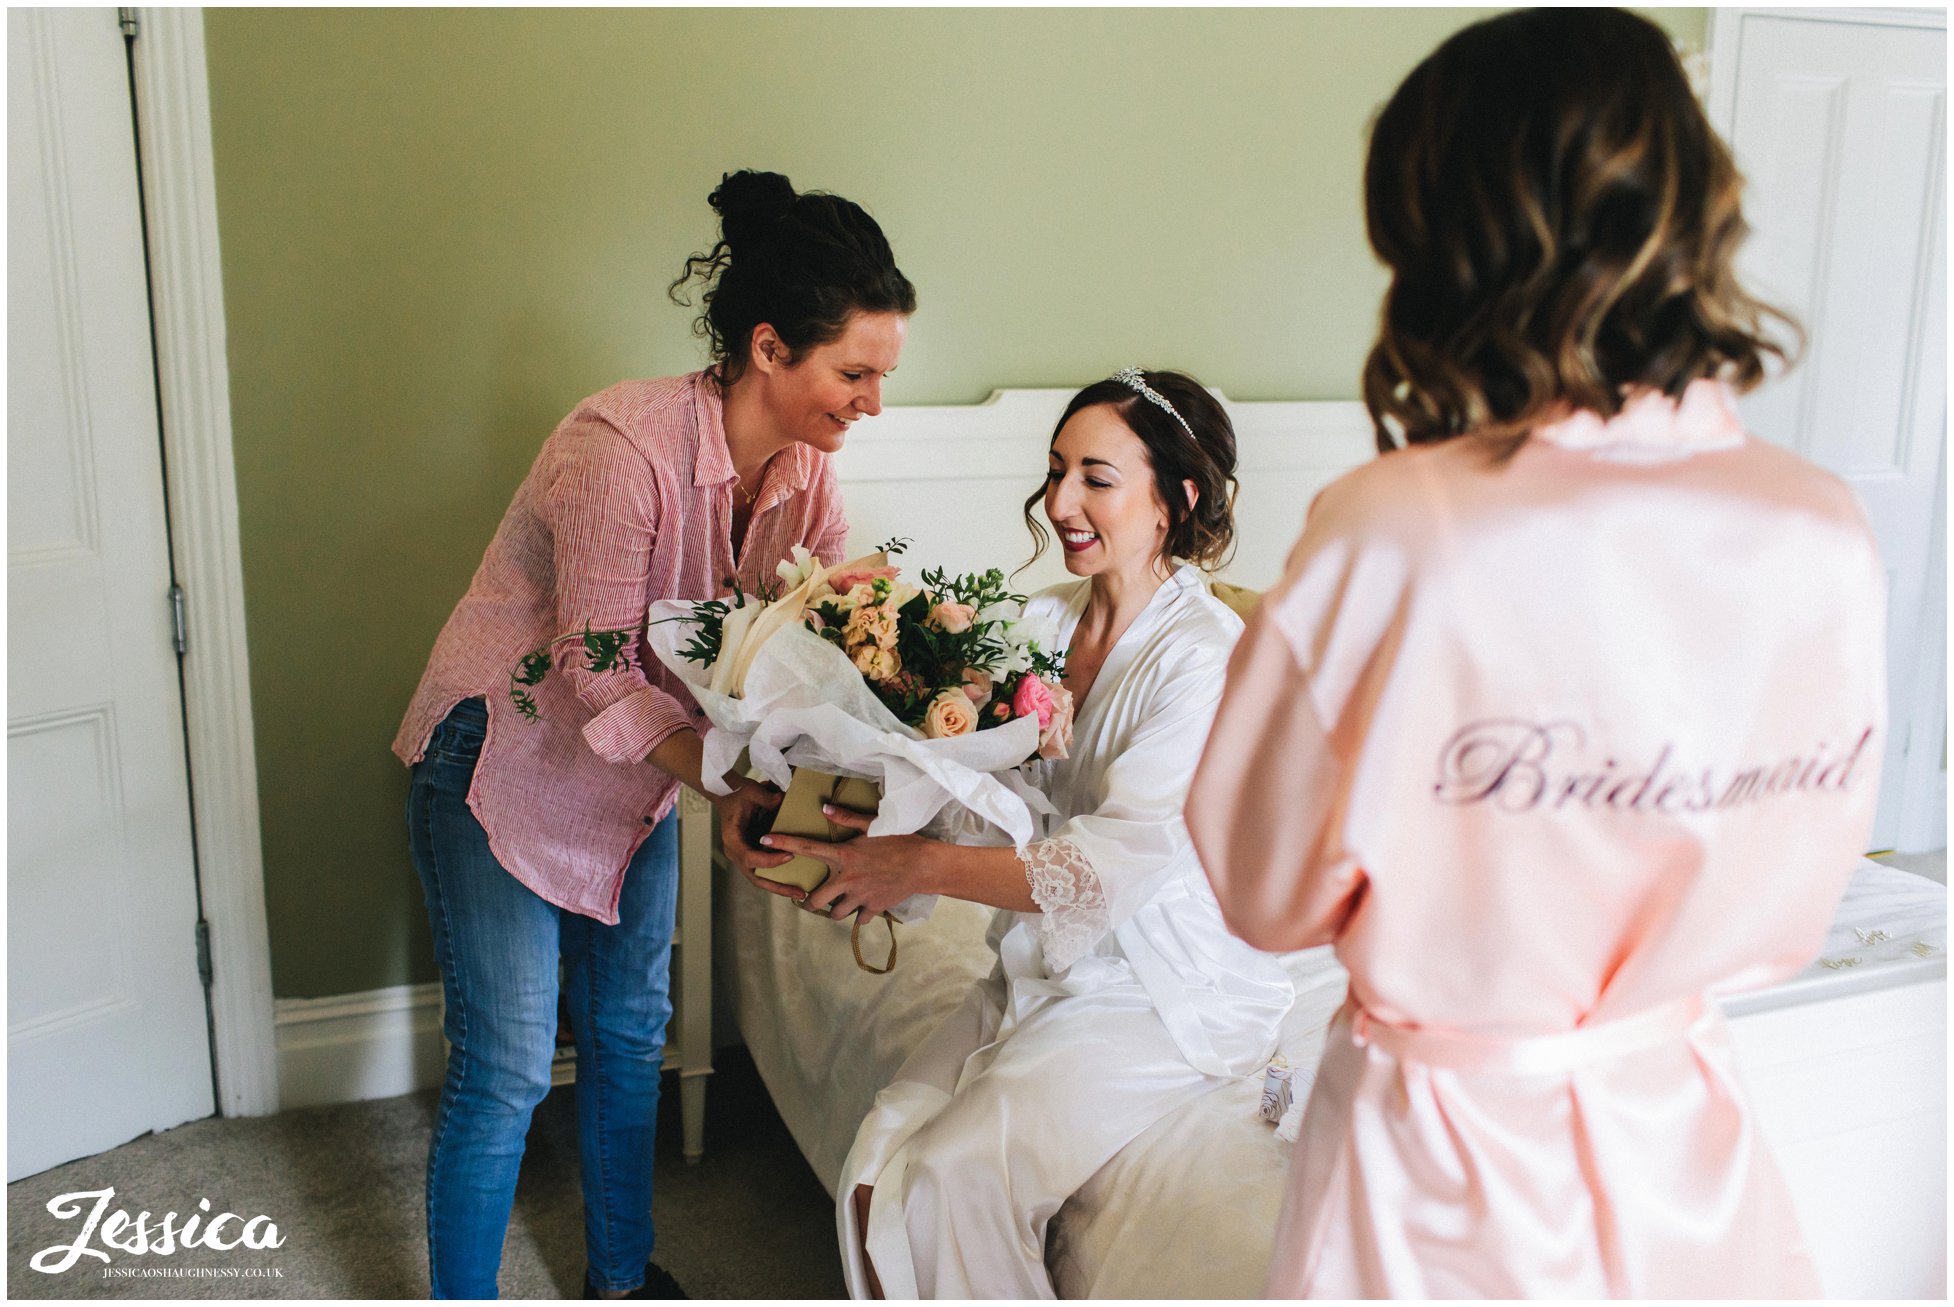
(744, 492)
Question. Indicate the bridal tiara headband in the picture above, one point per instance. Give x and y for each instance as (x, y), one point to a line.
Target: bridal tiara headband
(1132, 377)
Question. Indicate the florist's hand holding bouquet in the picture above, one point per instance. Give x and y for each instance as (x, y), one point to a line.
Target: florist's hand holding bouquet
(745, 808)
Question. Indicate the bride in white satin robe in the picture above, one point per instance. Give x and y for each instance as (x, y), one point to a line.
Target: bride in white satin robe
(1120, 994)
(1125, 997)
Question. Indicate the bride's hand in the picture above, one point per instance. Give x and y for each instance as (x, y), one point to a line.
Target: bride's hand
(742, 814)
(867, 873)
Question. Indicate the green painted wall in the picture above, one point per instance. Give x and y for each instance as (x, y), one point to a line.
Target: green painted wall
(442, 227)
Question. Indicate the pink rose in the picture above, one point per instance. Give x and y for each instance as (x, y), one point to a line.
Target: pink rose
(953, 618)
(950, 715)
(977, 685)
(1034, 699)
(1055, 738)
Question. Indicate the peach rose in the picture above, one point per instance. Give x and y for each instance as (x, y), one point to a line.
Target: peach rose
(950, 715)
(953, 618)
(977, 685)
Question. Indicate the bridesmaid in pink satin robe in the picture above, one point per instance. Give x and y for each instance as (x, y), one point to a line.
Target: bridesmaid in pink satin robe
(1563, 720)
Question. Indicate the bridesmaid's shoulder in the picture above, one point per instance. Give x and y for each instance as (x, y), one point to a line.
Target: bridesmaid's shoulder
(1400, 499)
(1387, 493)
(1776, 475)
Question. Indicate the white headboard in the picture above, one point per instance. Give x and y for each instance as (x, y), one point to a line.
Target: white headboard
(953, 478)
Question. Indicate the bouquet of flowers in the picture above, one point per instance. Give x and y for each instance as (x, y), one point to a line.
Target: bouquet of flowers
(948, 658)
(935, 693)
(849, 684)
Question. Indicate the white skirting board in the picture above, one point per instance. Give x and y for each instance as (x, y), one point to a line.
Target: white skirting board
(383, 1042)
(375, 1044)
(349, 1047)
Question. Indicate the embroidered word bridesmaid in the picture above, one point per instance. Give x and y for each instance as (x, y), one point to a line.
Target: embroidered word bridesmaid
(551, 841)
(1563, 720)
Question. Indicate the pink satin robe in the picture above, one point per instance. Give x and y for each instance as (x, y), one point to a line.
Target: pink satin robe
(1552, 750)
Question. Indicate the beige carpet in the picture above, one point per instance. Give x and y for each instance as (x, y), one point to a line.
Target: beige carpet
(344, 1186)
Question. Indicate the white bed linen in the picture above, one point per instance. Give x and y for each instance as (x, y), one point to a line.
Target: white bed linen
(1189, 1208)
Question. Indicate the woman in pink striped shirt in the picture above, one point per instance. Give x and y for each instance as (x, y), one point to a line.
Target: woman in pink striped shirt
(546, 845)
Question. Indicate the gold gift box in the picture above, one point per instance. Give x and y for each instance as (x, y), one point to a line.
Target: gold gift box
(800, 814)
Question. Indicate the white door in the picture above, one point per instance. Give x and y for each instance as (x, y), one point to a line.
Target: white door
(107, 1033)
(1837, 119)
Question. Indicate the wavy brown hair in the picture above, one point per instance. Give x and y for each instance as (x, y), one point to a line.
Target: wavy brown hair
(1560, 222)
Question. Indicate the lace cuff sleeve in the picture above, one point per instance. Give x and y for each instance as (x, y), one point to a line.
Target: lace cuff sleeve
(1068, 893)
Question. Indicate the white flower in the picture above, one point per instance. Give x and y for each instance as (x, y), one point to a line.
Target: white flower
(1019, 635)
(1004, 610)
(794, 574)
(732, 643)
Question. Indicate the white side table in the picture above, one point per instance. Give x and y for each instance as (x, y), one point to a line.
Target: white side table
(688, 1036)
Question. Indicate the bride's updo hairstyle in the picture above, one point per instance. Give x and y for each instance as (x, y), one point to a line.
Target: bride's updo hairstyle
(804, 263)
(1202, 452)
(1560, 222)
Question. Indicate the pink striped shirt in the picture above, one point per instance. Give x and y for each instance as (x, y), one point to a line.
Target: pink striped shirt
(630, 500)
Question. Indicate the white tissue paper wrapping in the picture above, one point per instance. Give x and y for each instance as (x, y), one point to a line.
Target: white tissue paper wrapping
(805, 705)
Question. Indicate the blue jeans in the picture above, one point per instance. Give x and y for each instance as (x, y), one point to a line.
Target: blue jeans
(499, 947)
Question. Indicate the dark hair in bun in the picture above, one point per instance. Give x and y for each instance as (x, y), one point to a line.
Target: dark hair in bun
(1202, 452)
(803, 262)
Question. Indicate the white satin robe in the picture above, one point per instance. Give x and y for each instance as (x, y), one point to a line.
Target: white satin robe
(1123, 999)
(1553, 750)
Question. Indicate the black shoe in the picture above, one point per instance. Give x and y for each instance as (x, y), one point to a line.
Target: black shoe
(658, 1284)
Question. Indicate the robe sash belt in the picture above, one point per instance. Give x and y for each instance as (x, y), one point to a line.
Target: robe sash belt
(1171, 999)
(1552, 1054)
